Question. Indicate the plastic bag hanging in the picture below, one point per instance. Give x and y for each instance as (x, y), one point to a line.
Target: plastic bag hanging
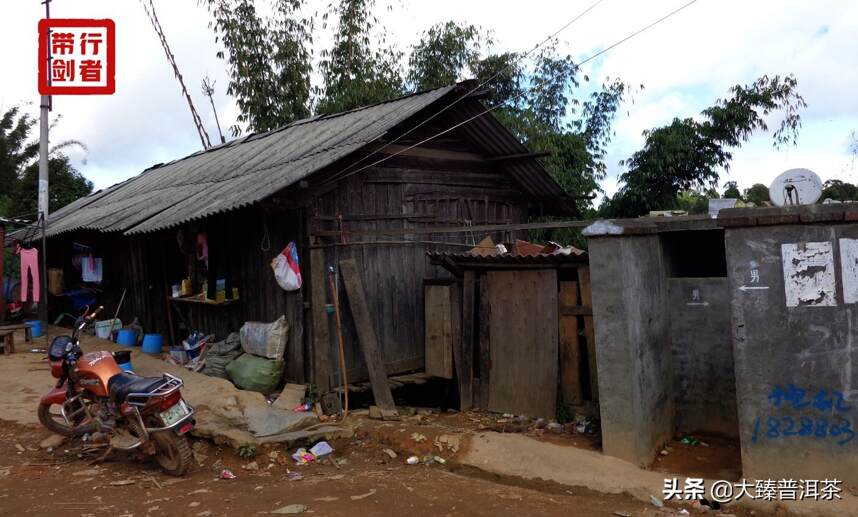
(287, 271)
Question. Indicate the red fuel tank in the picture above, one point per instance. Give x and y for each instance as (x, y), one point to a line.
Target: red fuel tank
(94, 369)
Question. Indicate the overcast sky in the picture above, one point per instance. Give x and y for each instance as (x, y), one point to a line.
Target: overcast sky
(685, 63)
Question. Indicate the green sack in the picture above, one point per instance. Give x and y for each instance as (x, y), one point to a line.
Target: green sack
(250, 372)
(216, 364)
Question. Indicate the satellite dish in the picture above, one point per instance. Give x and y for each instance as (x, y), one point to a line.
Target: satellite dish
(795, 187)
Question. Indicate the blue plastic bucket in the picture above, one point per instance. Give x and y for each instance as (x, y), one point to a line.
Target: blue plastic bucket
(152, 343)
(126, 367)
(35, 326)
(126, 337)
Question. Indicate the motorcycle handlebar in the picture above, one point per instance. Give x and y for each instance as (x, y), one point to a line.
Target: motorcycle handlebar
(91, 316)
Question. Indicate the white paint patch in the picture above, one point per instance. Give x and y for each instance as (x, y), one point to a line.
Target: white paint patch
(849, 269)
(809, 274)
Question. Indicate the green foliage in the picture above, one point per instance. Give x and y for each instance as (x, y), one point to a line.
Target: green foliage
(690, 154)
(444, 53)
(758, 194)
(731, 190)
(268, 61)
(247, 451)
(16, 151)
(66, 185)
(354, 74)
(692, 201)
(839, 191)
(19, 168)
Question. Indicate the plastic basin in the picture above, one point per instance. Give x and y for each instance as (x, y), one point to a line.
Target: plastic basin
(152, 343)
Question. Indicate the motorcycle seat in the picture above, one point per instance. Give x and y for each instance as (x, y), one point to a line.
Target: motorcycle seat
(121, 384)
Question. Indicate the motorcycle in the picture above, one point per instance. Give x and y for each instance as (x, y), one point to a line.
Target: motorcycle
(94, 396)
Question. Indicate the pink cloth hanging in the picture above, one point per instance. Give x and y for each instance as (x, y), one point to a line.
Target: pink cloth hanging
(203, 248)
(30, 263)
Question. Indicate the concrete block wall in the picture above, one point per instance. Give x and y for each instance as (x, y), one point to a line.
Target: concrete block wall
(704, 381)
(633, 353)
(793, 291)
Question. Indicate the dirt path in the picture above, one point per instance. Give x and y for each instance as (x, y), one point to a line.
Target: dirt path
(369, 483)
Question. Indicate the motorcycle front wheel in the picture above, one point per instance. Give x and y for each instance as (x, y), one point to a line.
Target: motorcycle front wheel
(51, 417)
(172, 452)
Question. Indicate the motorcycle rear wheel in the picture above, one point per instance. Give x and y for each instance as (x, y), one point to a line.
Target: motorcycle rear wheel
(54, 421)
(172, 452)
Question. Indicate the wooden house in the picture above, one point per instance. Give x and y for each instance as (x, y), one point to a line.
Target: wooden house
(372, 184)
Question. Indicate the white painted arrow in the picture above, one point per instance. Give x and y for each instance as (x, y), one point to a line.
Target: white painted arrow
(754, 287)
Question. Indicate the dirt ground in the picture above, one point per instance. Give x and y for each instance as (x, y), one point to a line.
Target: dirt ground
(368, 482)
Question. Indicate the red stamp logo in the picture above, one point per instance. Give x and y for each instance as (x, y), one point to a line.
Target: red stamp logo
(77, 57)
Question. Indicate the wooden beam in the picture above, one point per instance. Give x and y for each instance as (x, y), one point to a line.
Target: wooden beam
(366, 335)
(589, 332)
(2, 279)
(575, 310)
(458, 229)
(485, 342)
(321, 336)
(427, 152)
(519, 156)
(465, 369)
(570, 352)
(360, 373)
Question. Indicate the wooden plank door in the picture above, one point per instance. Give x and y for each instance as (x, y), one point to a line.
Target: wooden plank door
(571, 389)
(524, 333)
(439, 331)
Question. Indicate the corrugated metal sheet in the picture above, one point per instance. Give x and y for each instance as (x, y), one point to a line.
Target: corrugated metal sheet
(249, 169)
(234, 174)
(465, 260)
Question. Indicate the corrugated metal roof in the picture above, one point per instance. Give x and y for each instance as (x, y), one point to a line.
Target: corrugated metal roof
(249, 169)
(466, 260)
(235, 174)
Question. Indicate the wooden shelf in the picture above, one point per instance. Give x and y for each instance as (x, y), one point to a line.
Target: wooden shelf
(202, 301)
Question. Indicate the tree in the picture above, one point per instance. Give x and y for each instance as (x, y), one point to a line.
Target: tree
(268, 61)
(16, 151)
(354, 73)
(758, 194)
(690, 154)
(693, 202)
(66, 185)
(443, 54)
(19, 168)
(839, 191)
(731, 190)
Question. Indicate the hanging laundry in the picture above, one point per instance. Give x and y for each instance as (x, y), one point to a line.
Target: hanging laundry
(29, 264)
(92, 269)
(203, 248)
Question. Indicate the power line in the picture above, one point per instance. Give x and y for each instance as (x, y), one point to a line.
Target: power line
(476, 88)
(520, 94)
(632, 35)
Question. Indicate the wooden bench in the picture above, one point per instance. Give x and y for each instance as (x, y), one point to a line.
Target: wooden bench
(7, 336)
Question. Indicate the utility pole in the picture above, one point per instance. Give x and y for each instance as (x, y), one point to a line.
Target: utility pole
(43, 178)
(43, 133)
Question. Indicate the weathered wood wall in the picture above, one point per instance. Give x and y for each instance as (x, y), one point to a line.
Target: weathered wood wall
(147, 265)
(424, 188)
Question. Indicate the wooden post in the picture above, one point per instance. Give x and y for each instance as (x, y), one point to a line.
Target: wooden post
(485, 342)
(570, 355)
(589, 333)
(464, 368)
(2, 278)
(367, 336)
(321, 338)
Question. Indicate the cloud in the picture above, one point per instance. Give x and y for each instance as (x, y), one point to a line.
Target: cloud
(685, 62)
